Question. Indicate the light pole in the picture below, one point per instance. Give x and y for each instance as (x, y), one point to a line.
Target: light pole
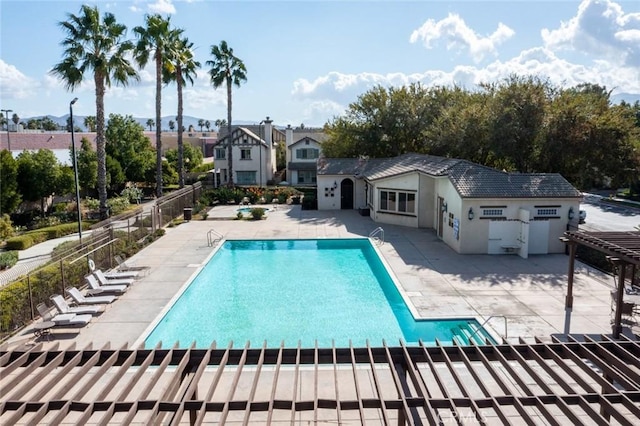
(75, 169)
(6, 117)
(260, 148)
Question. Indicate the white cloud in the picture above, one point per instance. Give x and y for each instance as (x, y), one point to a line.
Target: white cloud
(14, 84)
(600, 29)
(338, 89)
(162, 7)
(460, 37)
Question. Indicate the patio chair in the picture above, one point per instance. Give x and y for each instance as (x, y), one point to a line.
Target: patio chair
(63, 307)
(103, 280)
(124, 266)
(113, 274)
(63, 320)
(95, 286)
(81, 299)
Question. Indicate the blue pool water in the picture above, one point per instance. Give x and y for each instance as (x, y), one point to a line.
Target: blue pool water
(298, 290)
(248, 209)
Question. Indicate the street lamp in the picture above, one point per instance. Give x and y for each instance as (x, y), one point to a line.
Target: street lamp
(260, 148)
(75, 169)
(6, 117)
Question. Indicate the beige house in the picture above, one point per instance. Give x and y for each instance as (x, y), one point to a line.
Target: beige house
(472, 208)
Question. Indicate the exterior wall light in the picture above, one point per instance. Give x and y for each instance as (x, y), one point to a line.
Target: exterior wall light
(470, 214)
(444, 207)
(571, 213)
(335, 184)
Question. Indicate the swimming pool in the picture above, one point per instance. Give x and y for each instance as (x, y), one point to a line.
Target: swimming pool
(333, 291)
(248, 209)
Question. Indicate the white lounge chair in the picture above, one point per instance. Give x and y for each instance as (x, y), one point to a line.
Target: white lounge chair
(125, 266)
(103, 280)
(113, 274)
(81, 299)
(63, 320)
(104, 289)
(63, 307)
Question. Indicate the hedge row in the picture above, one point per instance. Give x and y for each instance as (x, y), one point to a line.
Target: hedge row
(8, 259)
(30, 238)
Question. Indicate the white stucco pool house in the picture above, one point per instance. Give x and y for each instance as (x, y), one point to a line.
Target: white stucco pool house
(474, 209)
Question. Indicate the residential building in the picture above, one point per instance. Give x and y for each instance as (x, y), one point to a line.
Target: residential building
(304, 147)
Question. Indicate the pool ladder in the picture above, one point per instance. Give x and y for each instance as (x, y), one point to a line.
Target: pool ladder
(377, 235)
(213, 237)
(504, 338)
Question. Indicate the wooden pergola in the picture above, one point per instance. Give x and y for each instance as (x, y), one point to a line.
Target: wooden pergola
(577, 381)
(621, 248)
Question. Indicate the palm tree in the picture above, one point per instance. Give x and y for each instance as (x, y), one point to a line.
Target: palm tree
(229, 69)
(207, 124)
(172, 125)
(90, 123)
(150, 123)
(181, 68)
(154, 38)
(201, 123)
(99, 46)
(220, 123)
(15, 119)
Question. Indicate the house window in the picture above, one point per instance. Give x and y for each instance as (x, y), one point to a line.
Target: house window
(220, 153)
(245, 154)
(492, 212)
(246, 178)
(398, 201)
(307, 153)
(306, 176)
(547, 212)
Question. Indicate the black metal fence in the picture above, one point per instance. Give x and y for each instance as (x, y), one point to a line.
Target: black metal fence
(122, 235)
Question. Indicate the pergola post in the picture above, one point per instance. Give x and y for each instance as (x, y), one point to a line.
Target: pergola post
(568, 303)
(617, 322)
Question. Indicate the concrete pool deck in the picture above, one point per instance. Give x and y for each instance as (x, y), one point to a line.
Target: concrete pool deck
(438, 282)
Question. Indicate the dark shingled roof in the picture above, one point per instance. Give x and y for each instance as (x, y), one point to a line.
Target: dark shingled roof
(470, 180)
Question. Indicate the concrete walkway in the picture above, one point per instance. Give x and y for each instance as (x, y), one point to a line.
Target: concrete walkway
(438, 282)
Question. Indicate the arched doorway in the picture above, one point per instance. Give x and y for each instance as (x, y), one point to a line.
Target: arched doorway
(346, 194)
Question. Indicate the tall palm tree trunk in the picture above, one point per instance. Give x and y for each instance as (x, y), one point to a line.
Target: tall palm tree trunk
(101, 152)
(230, 143)
(180, 143)
(159, 124)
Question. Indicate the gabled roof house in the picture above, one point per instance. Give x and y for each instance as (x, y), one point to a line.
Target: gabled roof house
(473, 208)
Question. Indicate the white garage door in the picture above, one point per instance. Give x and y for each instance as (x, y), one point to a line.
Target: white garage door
(539, 237)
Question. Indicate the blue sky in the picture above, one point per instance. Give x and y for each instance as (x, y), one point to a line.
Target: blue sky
(307, 60)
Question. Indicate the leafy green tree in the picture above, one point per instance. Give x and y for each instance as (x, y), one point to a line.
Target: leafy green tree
(10, 197)
(41, 175)
(127, 144)
(153, 38)
(87, 166)
(181, 67)
(96, 46)
(227, 69)
(517, 107)
(90, 123)
(15, 118)
(192, 157)
(116, 177)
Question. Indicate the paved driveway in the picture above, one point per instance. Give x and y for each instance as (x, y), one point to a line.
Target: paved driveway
(438, 283)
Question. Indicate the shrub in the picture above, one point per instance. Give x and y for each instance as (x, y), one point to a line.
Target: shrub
(239, 215)
(6, 230)
(257, 213)
(118, 205)
(8, 259)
